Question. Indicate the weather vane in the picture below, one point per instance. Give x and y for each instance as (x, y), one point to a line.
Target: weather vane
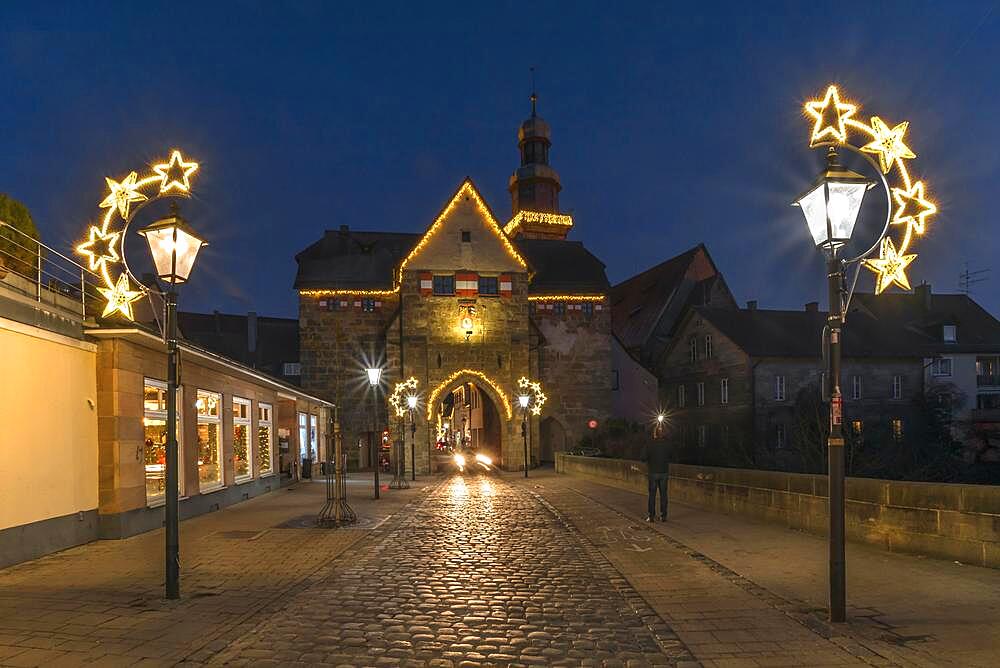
(833, 124)
(105, 245)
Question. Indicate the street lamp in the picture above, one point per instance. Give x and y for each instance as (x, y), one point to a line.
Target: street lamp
(174, 247)
(523, 400)
(374, 376)
(411, 403)
(831, 206)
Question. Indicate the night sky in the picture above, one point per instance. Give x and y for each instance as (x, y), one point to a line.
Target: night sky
(672, 124)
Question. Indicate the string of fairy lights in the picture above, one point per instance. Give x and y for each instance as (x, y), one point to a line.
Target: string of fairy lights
(833, 121)
(104, 247)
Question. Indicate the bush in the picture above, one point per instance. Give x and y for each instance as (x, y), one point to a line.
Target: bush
(15, 254)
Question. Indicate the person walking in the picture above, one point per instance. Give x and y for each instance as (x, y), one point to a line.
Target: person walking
(657, 471)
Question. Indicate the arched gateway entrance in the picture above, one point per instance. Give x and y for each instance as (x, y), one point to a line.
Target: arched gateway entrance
(468, 411)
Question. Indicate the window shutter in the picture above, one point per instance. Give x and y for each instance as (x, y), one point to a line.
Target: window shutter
(466, 285)
(506, 286)
(426, 284)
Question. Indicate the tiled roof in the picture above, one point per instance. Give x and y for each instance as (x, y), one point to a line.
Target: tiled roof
(563, 267)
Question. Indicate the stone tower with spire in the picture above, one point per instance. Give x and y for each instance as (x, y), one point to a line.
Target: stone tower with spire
(534, 186)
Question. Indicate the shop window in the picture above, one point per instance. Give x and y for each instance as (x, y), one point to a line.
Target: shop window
(313, 437)
(154, 427)
(241, 440)
(265, 439)
(209, 443)
(489, 286)
(444, 285)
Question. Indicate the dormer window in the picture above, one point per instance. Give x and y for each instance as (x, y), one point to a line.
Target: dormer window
(949, 333)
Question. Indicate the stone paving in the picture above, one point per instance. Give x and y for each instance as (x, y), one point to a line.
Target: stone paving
(481, 572)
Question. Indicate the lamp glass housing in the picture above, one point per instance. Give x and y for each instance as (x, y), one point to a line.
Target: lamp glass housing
(173, 247)
(374, 375)
(832, 204)
(523, 400)
(411, 401)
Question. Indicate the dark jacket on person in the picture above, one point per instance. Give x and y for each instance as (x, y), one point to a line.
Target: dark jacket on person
(656, 456)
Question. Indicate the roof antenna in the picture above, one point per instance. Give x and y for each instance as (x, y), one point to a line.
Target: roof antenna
(534, 95)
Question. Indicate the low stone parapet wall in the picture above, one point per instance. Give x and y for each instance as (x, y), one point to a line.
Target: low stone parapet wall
(958, 522)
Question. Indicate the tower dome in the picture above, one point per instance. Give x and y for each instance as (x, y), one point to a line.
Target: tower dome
(534, 185)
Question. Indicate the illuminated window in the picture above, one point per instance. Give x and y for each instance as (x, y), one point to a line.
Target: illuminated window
(855, 387)
(154, 427)
(701, 394)
(896, 429)
(681, 399)
(444, 285)
(241, 440)
(209, 443)
(897, 387)
(724, 390)
(489, 286)
(779, 388)
(708, 346)
(304, 435)
(857, 427)
(265, 439)
(368, 305)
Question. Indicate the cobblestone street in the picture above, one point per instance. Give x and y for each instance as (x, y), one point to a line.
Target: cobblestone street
(481, 571)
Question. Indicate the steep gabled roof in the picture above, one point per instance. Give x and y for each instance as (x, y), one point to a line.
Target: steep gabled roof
(348, 259)
(562, 267)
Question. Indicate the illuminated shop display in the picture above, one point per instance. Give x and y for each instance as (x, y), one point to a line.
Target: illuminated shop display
(209, 443)
(265, 439)
(154, 428)
(241, 439)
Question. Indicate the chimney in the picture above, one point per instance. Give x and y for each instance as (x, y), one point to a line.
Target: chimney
(812, 307)
(752, 305)
(923, 293)
(252, 333)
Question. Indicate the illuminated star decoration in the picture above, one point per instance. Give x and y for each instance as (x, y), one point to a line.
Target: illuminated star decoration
(120, 298)
(890, 267)
(833, 122)
(888, 144)
(535, 389)
(103, 247)
(913, 208)
(100, 248)
(175, 174)
(407, 387)
(830, 114)
(122, 194)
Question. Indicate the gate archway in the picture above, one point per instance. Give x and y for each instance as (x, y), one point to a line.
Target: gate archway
(469, 410)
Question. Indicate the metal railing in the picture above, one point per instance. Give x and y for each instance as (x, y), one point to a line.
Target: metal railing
(34, 270)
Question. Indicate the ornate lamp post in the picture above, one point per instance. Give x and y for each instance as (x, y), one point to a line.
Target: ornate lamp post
(523, 400)
(411, 403)
(402, 407)
(374, 381)
(174, 248)
(831, 206)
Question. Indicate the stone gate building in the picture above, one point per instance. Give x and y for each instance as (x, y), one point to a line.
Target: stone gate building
(467, 307)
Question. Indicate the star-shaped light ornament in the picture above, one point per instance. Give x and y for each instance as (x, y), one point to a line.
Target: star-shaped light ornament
(538, 397)
(888, 144)
(120, 298)
(100, 248)
(913, 208)
(122, 194)
(890, 267)
(830, 114)
(175, 174)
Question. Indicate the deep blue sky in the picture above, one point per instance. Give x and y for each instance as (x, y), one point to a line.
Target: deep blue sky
(672, 124)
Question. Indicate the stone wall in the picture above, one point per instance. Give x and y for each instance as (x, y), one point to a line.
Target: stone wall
(956, 522)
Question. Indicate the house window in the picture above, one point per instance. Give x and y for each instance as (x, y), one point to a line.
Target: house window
(265, 439)
(154, 427)
(949, 333)
(779, 436)
(708, 346)
(857, 427)
(588, 309)
(368, 305)
(209, 443)
(489, 286)
(466, 236)
(313, 437)
(724, 391)
(855, 387)
(693, 345)
(701, 435)
(444, 285)
(897, 387)
(291, 369)
(559, 308)
(241, 440)
(701, 394)
(896, 429)
(681, 399)
(779, 388)
(941, 367)
(303, 434)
